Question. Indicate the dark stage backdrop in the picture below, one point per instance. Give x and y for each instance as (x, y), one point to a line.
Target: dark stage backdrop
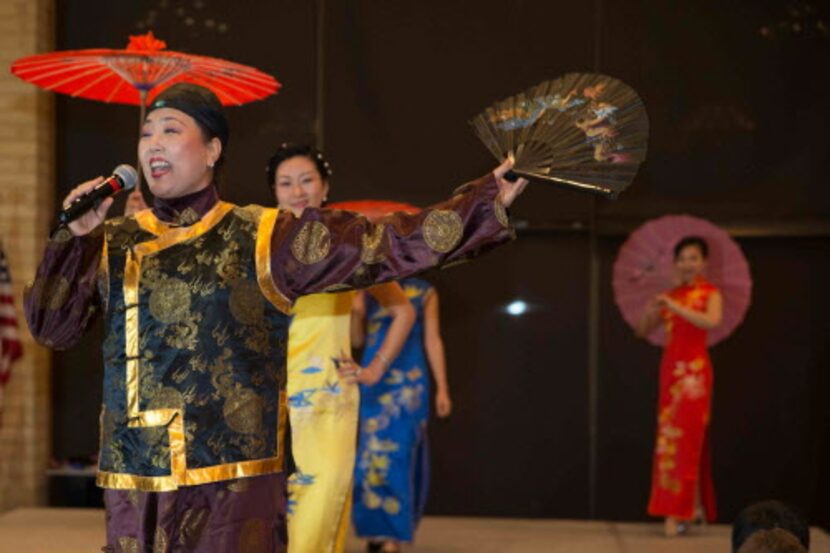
(555, 410)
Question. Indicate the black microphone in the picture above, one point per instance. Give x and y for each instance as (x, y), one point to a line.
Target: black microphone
(123, 177)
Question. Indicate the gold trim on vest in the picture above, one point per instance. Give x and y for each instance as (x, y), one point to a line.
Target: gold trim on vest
(172, 418)
(263, 261)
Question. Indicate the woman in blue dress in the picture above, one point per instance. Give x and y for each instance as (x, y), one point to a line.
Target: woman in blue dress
(392, 468)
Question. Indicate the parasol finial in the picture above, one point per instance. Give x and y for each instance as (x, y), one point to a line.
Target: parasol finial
(146, 43)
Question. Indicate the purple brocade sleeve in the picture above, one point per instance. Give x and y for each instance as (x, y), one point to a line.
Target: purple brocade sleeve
(331, 250)
(64, 299)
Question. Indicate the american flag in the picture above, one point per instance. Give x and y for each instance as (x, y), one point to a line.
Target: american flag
(10, 348)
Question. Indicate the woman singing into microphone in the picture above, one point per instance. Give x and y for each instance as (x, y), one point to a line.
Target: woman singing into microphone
(196, 295)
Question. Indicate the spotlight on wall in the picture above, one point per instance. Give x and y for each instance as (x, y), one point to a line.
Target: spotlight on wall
(516, 308)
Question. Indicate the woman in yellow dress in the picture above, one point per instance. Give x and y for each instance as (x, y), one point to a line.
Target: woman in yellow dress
(323, 410)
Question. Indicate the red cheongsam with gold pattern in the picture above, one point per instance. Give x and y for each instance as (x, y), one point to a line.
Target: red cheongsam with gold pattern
(681, 456)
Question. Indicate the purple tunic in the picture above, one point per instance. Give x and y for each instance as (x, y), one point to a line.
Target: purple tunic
(323, 250)
(247, 514)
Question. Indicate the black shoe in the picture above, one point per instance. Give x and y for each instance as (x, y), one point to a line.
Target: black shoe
(374, 546)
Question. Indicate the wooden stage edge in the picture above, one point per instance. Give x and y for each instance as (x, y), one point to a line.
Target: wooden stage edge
(82, 531)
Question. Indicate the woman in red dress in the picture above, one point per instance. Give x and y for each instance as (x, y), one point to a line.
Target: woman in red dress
(681, 487)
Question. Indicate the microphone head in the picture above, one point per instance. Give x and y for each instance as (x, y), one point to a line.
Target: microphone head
(127, 175)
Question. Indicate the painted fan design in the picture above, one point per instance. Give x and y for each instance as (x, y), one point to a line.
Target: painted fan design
(582, 130)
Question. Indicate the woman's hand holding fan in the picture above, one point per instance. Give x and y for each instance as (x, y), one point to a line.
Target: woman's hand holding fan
(509, 188)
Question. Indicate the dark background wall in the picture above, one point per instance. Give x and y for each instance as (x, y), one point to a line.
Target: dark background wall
(554, 410)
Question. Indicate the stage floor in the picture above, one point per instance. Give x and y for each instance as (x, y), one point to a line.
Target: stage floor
(82, 531)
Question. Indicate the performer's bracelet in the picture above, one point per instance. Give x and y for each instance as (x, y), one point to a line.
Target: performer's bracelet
(383, 359)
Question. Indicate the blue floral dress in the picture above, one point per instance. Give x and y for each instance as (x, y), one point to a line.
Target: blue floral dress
(392, 468)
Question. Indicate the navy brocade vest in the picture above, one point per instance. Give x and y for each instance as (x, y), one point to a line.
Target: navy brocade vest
(194, 355)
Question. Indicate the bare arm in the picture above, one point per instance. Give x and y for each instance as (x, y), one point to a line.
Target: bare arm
(708, 319)
(650, 319)
(358, 324)
(434, 345)
(392, 297)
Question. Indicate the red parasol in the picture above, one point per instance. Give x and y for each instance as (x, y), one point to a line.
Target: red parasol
(142, 70)
(373, 209)
(644, 268)
(138, 73)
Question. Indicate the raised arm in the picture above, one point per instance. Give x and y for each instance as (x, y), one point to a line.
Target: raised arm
(708, 319)
(63, 299)
(649, 320)
(328, 250)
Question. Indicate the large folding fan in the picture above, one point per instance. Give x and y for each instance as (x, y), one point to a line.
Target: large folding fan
(582, 130)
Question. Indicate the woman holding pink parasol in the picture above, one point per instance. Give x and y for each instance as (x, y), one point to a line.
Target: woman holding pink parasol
(683, 284)
(682, 486)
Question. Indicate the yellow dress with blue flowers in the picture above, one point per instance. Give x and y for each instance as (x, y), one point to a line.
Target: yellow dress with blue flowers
(323, 414)
(392, 468)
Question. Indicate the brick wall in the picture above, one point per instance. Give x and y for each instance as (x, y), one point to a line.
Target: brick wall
(26, 205)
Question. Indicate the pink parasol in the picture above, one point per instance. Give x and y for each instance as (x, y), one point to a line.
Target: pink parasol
(645, 268)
